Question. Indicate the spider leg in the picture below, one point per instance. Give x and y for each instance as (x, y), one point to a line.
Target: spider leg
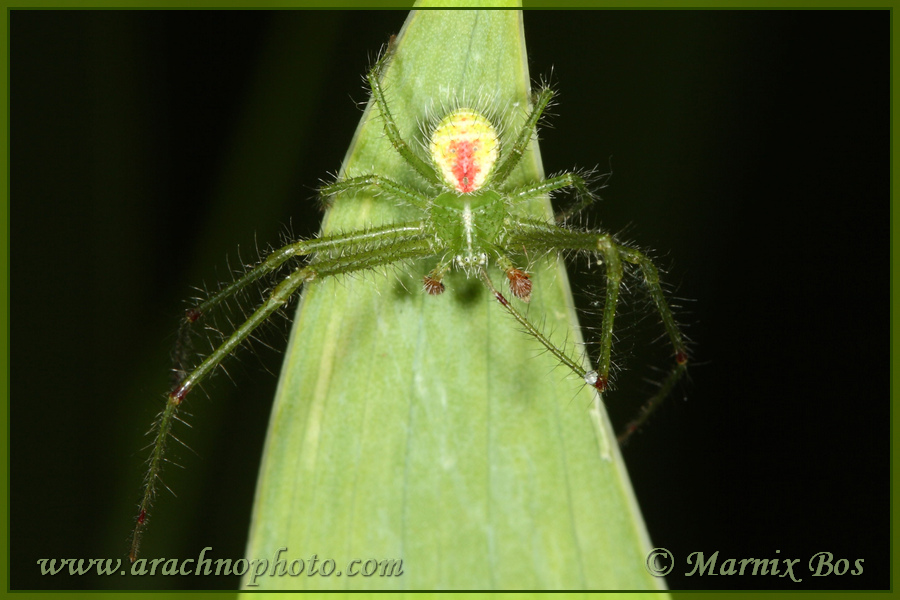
(514, 154)
(651, 279)
(396, 248)
(544, 237)
(338, 243)
(421, 167)
(653, 403)
(559, 353)
(547, 237)
(398, 190)
(583, 194)
(396, 244)
(345, 243)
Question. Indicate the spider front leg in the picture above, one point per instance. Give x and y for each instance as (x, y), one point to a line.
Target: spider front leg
(401, 192)
(513, 155)
(583, 195)
(391, 130)
(544, 237)
(335, 255)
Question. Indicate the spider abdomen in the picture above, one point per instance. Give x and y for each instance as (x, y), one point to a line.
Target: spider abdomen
(464, 148)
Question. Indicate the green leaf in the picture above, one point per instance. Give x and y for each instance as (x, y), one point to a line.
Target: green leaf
(431, 428)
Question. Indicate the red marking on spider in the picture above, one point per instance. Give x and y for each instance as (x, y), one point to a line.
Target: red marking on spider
(464, 148)
(465, 169)
(192, 314)
(519, 284)
(501, 299)
(681, 357)
(601, 383)
(142, 517)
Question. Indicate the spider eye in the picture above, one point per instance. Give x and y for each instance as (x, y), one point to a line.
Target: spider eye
(464, 148)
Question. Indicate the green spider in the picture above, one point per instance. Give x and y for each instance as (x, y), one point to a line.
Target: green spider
(469, 221)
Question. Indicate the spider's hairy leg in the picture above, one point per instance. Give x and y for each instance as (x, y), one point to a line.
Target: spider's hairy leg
(335, 255)
(653, 403)
(546, 237)
(398, 190)
(583, 195)
(373, 77)
(341, 242)
(514, 154)
(651, 279)
(607, 247)
(559, 353)
(274, 261)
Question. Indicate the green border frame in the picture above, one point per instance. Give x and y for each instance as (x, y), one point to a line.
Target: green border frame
(396, 4)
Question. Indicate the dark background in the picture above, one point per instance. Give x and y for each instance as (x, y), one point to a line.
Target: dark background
(749, 150)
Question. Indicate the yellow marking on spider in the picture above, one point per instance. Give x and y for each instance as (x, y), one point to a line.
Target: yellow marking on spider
(464, 148)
